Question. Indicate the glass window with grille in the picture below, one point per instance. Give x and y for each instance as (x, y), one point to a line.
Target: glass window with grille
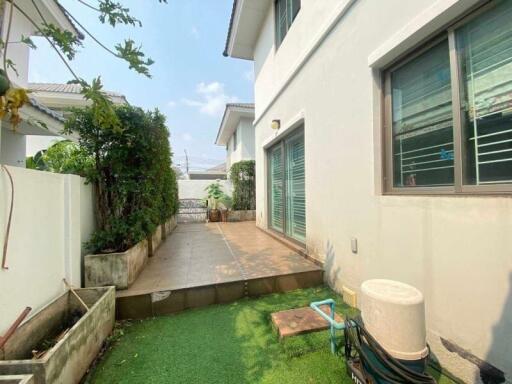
(285, 13)
(452, 129)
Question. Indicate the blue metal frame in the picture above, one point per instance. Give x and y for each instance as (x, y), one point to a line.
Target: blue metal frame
(334, 325)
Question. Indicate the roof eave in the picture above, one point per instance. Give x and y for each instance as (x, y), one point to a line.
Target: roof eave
(62, 16)
(247, 17)
(228, 119)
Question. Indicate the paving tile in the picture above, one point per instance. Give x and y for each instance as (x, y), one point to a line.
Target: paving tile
(209, 259)
(301, 320)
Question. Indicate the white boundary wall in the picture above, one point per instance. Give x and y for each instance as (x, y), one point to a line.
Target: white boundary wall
(52, 217)
(195, 189)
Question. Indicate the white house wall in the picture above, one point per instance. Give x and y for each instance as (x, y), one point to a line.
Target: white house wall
(245, 144)
(12, 148)
(18, 52)
(456, 250)
(52, 217)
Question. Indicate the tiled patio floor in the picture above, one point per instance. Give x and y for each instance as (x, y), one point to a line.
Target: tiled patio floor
(204, 254)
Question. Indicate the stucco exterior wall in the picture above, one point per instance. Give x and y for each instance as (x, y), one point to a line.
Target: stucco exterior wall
(13, 147)
(18, 53)
(47, 233)
(245, 143)
(455, 249)
(195, 189)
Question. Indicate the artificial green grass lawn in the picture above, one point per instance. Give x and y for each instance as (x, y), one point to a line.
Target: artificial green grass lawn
(224, 344)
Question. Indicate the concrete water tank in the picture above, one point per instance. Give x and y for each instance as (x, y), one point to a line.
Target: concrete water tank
(394, 314)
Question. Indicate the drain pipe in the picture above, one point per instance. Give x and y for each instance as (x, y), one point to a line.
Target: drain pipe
(8, 229)
(14, 326)
(334, 325)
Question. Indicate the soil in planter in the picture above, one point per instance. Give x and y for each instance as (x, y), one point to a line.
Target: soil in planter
(56, 335)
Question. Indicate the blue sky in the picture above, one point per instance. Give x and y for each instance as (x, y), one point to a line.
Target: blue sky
(191, 79)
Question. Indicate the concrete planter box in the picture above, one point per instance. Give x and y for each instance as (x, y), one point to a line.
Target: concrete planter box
(121, 269)
(68, 360)
(155, 240)
(249, 215)
(17, 379)
(170, 225)
(118, 269)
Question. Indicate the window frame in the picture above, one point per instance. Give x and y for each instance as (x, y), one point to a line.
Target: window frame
(459, 142)
(281, 142)
(277, 38)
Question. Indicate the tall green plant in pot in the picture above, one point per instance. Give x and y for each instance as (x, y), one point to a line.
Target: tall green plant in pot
(214, 195)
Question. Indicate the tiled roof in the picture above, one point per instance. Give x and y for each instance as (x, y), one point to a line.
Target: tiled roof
(64, 88)
(225, 53)
(218, 168)
(37, 105)
(241, 105)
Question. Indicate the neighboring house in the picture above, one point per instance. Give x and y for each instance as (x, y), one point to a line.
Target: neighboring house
(62, 97)
(37, 118)
(52, 214)
(236, 133)
(215, 173)
(396, 143)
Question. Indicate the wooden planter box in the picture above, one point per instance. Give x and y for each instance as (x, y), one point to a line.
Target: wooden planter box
(119, 269)
(68, 360)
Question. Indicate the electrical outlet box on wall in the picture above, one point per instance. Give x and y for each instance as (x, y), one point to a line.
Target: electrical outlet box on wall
(349, 296)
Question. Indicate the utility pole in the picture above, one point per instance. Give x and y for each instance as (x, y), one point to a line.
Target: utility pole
(186, 161)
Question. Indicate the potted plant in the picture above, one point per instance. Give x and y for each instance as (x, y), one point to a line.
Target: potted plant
(226, 203)
(214, 194)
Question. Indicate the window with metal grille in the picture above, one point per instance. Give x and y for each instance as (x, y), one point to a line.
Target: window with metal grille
(449, 110)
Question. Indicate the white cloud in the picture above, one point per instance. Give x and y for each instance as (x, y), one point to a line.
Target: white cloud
(171, 104)
(212, 98)
(249, 76)
(186, 137)
(194, 32)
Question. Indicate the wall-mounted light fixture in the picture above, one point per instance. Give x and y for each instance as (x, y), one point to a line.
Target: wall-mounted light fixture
(276, 124)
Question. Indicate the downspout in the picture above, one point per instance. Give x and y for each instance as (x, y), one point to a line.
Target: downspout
(9, 220)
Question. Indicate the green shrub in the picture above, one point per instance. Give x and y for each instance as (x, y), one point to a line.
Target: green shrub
(134, 185)
(242, 176)
(62, 156)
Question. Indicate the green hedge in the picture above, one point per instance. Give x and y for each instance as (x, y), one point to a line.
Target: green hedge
(242, 176)
(135, 187)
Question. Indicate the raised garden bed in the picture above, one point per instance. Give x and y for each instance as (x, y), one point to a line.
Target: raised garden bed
(121, 269)
(59, 342)
(249, 215)
(17, 379)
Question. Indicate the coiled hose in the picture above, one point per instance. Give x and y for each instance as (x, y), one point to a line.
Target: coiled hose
(393, 372)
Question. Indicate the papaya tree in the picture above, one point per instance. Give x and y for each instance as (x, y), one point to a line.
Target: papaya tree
(65, 45)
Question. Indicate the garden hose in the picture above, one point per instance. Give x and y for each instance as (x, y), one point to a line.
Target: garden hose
(394, 372)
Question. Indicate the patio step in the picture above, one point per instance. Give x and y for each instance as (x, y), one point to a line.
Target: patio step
(143, 304)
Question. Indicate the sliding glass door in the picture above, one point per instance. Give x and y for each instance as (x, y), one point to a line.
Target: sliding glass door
(287, 197)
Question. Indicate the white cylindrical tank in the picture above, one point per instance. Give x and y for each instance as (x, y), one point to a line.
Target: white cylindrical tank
(394, 314)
